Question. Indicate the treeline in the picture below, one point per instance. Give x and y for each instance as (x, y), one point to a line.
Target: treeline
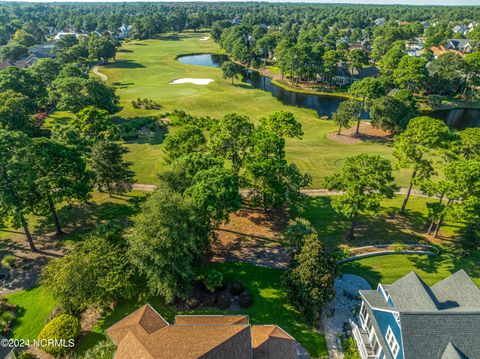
(43, 166)
(150, 19)
(317, 53)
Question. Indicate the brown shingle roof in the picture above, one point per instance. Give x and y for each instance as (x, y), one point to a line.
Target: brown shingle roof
(187, 342)
(145, 318)
(144, 334)
(271, 341)
(211, 319)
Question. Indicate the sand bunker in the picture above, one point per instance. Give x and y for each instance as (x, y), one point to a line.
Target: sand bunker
(205, 38)
(191, 81)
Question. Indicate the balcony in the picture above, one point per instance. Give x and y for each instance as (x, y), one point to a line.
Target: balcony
(361, 337)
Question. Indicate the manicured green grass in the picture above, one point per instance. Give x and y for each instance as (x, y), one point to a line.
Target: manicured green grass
(270, 307)
(145, 68)
(390, 227)
(387, 227)
(34, 307)
(387, 269)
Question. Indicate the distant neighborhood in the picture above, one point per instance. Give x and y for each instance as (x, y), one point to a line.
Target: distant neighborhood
(47, 49)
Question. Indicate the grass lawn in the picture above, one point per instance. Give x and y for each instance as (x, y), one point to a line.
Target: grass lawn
(270, 307)
(36, 304)
(389, 227)
(145, 68)
(34, 307)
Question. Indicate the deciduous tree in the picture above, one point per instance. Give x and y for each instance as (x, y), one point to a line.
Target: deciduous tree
(168, 241)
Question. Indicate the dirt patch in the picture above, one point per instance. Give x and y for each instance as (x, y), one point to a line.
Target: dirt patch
(253, 236)
(367, 133)
(26, 269)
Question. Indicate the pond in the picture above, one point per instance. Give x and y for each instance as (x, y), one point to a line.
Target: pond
(324, 105)
(210, 60)
(460, 118)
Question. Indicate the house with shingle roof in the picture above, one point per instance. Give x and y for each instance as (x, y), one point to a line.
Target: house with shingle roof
(146, 334)
(410, 320)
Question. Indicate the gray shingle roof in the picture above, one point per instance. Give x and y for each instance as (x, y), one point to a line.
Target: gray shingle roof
(458, 290)
(375, 299)
(411, 293)
(427, 335)
(451, 352)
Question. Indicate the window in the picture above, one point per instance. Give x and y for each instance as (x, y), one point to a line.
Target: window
(392, 342)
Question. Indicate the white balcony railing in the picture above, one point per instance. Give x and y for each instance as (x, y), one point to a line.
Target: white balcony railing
(363, 345)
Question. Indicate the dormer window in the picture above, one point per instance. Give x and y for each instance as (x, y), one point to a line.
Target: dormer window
(392, 342)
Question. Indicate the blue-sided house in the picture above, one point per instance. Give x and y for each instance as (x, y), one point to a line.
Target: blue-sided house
(410, 320)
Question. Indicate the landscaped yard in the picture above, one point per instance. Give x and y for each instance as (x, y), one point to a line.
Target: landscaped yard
(145, 68)
(34, 307)
(270, 307)
(387, 227)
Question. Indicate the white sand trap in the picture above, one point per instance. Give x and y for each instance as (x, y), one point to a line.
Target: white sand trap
(205, 38)
(191, 81)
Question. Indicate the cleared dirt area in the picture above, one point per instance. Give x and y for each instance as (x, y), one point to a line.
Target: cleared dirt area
(253, 236)
(367, 133)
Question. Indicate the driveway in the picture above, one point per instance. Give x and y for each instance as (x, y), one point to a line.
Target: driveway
(339, 311)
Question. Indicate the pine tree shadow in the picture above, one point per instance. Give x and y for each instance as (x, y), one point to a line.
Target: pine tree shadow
(78, 219)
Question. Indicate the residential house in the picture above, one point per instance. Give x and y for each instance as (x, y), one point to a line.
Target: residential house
(25, 62)
(364, 45)
(380, 21)
(460, 29)
(43, 50)
(410, 320)
(146, 334)
(124, 31)
(62, 34)
(344, 76)
(464, 46)
(50, 31)
(425, 24)
(415, 47)
(236, 20)
(5, 64)
(459, 46)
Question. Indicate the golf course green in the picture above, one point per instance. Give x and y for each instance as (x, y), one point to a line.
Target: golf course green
(144, 69)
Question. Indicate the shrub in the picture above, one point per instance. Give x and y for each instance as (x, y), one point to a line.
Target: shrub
(237, 288)
(213, 279)
(350, 350)
(65, 327)
(245, 299)
(398, 247)
(9, 261)
(470, 238)
(6, 320)
(223, 301)
(25, 355)
(102, 350)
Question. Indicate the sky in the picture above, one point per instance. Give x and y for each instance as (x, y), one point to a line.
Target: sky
(405, 2)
